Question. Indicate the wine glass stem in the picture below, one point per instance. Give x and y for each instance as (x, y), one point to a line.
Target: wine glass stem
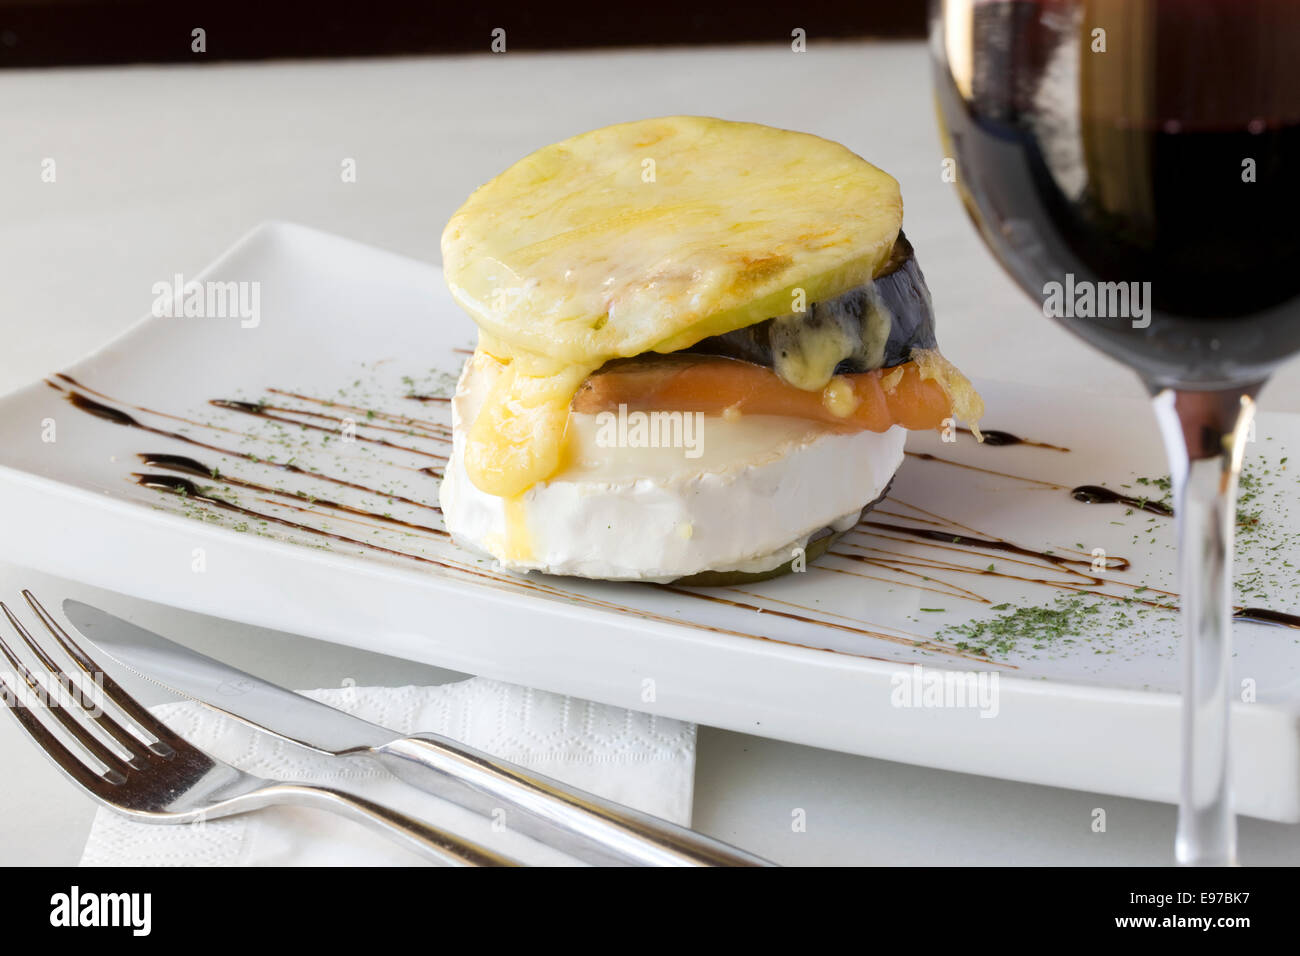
(1205, 434)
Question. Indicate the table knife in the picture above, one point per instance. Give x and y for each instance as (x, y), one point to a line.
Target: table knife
(586, 826)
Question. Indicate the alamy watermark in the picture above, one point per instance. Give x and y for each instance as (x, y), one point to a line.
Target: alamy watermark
(133, 911)
(85, 690)
(1098, 300)
(942, 688)
(638, 429)
(208, 300)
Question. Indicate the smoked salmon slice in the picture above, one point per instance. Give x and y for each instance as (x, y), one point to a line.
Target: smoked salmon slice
(862, 401)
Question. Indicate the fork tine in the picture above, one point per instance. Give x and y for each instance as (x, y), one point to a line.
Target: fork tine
(167, 741)
(195, 785)
(96, 784)
(135, 746)
(65, 679)
(116, 766)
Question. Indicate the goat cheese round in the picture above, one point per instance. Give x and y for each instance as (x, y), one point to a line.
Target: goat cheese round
(657, 499)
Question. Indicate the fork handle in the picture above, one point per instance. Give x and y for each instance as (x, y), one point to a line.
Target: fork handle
(582, 824)
(428, 841)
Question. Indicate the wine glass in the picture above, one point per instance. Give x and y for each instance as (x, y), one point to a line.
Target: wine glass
(1135, 166)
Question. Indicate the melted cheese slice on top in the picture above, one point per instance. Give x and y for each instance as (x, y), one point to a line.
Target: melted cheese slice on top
(647, 237)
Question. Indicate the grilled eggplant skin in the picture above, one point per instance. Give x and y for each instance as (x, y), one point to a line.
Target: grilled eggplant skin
(876, 325)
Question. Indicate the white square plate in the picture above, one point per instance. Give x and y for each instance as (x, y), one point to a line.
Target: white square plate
(347, 334)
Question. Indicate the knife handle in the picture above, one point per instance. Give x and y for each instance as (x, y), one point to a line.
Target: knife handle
(585, 826)
(429, 841)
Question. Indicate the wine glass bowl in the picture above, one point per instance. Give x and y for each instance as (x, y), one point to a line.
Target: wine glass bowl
(1137, 141)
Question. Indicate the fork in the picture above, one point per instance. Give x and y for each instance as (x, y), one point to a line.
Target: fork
(169, 780)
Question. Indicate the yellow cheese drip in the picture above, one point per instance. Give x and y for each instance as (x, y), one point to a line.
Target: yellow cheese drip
(519, 542)
(889, 381)
(517, 439)
(839, 398)
(966, 402)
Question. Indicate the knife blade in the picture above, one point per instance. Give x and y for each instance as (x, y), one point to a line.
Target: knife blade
(250, 700)
(588, 827)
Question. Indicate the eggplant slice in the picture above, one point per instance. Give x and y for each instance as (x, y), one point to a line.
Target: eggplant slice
(876, 325)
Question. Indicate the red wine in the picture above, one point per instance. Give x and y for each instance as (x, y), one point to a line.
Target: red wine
(1163, 150)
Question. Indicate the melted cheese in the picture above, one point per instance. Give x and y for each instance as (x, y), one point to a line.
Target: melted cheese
(646, 236)
(518, 543)
(517, 439)
(839, 397)
(806, 350)
(966, 402)
(806, 357)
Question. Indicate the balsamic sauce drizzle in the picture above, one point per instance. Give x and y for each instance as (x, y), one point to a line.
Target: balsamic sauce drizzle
(1262, 615)
(264, 411)
(189, 466)
(996, 544)
(997, 439)
(183, 486)
(437, 430)
(1096, 494)
(926, 456)
(119, 417)
(899, 562)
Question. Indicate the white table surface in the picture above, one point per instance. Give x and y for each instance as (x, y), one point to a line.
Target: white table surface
(158, 170)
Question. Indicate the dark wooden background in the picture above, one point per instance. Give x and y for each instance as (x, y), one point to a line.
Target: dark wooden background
(64, 32)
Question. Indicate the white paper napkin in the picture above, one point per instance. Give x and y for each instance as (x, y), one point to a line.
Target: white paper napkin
(637, 759)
